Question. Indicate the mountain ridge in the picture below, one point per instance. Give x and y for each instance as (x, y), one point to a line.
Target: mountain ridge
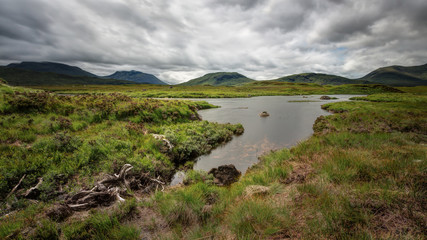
(54, 73)
(45, 73)
(319, 78)
(136, 76)
(219, 79)
(399, 75)
(52, 67)
(21, 77)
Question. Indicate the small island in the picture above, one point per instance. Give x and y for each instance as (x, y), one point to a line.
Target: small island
(264, 114)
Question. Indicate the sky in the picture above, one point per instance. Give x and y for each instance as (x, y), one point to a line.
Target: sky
(178, 40)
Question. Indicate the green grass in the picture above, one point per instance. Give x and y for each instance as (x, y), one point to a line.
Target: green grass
(69, 139)
(104, 225)
(255, 219)
(362, 175)
(259, 88)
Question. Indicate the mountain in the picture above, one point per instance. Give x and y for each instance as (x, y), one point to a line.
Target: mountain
(52, 67)
(135, 76)
(21, 77)
(51, 73)
(399, 76)
(319, 78)
(219, 79)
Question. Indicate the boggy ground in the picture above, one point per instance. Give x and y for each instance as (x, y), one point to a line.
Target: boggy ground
(68, 143)
(362, 175)
(260, 88)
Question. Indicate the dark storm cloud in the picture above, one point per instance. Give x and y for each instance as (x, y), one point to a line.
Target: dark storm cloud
(178, 39)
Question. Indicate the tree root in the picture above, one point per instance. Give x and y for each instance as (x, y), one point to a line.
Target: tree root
(112, 187)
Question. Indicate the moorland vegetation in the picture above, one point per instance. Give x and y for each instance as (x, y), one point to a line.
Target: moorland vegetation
(362, 175)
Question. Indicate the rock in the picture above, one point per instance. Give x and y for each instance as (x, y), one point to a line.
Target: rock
(59, 212)
(225, 175)
(264, 114)
(325, 98)
(252, 190)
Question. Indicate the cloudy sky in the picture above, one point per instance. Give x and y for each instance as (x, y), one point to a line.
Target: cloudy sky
(178, 40)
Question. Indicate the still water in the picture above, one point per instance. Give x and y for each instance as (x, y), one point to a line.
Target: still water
(289, 122)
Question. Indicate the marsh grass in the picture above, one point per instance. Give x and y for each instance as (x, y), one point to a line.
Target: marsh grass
(72, 140)
(100, 226)
(255, 219)
(362, 175)
(259, 88)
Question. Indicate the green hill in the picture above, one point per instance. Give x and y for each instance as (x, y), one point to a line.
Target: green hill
(399, 76)
(52, 67)
(219, 79)
(319, 78)
(20, 77)
(136, 76)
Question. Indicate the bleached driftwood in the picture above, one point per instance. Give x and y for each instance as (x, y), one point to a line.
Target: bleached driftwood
(112, 188)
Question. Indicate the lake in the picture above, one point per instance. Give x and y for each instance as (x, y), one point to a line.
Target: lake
(289, 122)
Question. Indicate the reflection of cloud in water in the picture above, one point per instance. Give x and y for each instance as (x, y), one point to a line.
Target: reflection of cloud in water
(237, 152)
(287, 124)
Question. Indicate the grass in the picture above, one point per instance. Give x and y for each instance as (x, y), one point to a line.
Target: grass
(100, 225)
(255, 219)
(259, 88)
(362, 175)
(70, 141)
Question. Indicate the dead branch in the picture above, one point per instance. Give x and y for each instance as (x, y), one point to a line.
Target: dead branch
(112, 187)
(16, 187)
(33, 192)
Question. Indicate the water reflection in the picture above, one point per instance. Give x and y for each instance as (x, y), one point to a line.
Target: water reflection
(288, 123)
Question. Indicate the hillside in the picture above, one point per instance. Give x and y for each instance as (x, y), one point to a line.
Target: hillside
(399, 76)
(21, 77)
(136, 76)
(319, 78)
(219, 79)
(52, 67)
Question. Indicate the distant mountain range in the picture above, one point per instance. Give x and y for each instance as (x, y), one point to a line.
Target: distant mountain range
(320, 78)
(393, 76)
(219, 79)
(135, 76)
(52, 67)
(21, 77)
(51, 73)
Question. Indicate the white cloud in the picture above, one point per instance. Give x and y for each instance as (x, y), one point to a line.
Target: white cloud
(180, 39)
